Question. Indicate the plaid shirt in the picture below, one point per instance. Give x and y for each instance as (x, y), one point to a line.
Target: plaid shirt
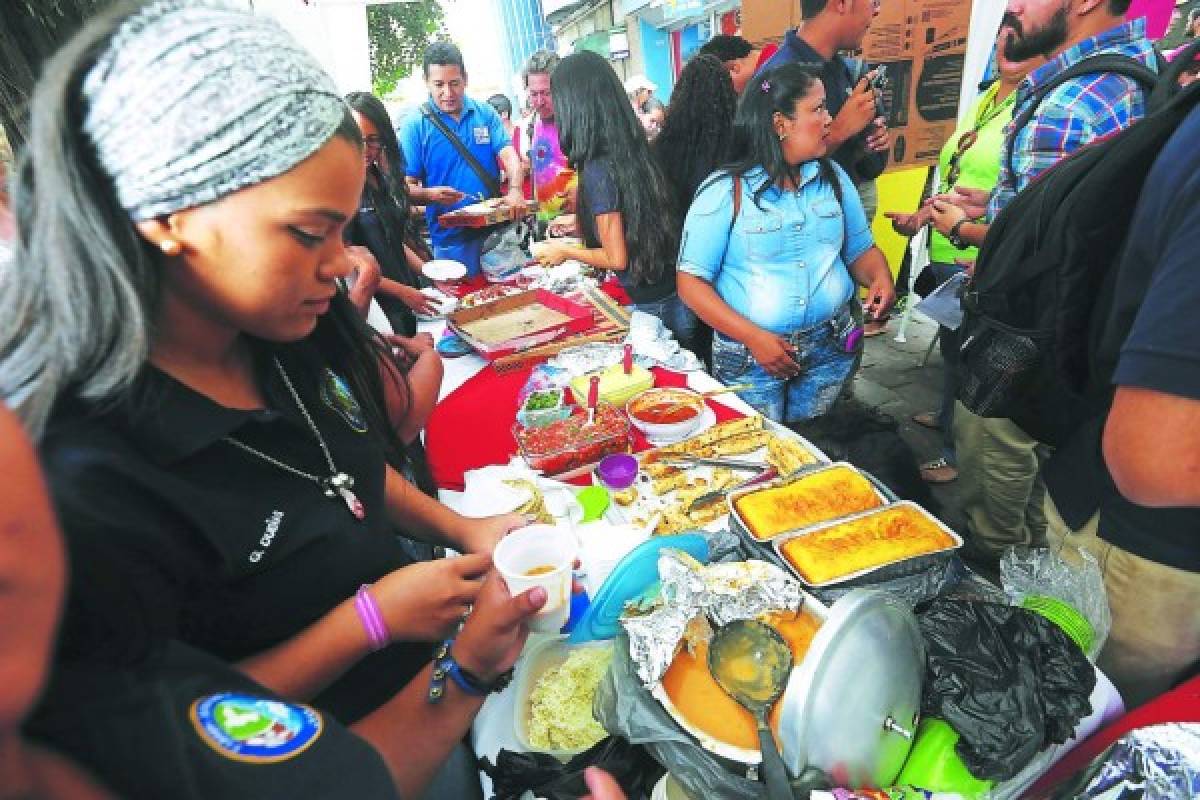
(1075, 113)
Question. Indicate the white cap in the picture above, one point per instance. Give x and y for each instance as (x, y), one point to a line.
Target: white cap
(637, 82)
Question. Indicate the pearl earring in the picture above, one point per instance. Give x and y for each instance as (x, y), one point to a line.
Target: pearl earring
(782, 136)
(170, 247)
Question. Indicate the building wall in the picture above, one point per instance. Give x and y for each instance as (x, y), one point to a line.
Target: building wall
(524, 31)
(656, 58)
(590, 26)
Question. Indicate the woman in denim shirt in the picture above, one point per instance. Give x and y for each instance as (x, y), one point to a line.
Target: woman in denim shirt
(777, 282)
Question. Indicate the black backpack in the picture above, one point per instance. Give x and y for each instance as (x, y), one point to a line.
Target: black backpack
(1044, 272)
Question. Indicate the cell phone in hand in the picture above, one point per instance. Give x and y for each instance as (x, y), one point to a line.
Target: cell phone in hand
(878, 81)
(878, 77)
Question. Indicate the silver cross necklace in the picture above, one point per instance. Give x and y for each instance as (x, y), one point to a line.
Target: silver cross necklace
(338, 484)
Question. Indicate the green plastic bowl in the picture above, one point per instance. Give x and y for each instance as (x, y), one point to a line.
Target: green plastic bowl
(933, 765)
(1064, 615)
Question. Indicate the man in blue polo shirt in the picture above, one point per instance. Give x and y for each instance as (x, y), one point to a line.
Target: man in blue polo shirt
(439, 175)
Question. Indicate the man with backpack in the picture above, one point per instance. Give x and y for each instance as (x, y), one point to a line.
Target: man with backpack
(1127, 483)
(1060, 107)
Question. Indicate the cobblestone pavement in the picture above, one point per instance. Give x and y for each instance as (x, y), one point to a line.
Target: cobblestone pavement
(894, 380)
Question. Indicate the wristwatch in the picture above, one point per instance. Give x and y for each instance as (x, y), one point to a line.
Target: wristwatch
(445, 666)
(953, 236)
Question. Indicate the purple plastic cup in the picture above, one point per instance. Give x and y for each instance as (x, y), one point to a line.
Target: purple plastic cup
(617, 471)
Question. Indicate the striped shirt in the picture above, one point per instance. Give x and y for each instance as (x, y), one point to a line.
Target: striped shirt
(1079, 111)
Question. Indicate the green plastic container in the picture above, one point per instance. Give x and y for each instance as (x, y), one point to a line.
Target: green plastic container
(933, 765)
(1064, 615)
(595, 501)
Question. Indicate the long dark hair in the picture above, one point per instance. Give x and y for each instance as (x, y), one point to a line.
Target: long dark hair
(596, 121)
(78, 300)
(755, 143)
(386, 189)
(373, 109)
(698, 130)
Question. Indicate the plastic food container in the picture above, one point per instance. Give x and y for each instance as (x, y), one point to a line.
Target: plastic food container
(643, 408)
(539, 657)
(553, 408)
(615, 386)
(567, 444)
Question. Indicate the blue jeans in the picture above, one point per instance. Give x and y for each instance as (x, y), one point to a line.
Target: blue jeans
(678, 318)
(825, 368)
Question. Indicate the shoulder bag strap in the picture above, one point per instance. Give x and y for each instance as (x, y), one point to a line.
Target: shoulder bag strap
(737, 209)
(1105, 62)
(493, 185)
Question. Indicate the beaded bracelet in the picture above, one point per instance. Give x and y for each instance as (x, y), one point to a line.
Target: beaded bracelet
(371, 618)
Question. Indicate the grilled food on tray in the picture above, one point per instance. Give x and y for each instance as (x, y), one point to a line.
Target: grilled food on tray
(891, 534)
(810, 499)
(718, 437)
(788, 455)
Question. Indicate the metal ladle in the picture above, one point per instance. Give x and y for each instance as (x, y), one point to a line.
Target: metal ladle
(752, 662)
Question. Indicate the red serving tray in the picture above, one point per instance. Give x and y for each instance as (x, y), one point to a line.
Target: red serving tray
(581, 319)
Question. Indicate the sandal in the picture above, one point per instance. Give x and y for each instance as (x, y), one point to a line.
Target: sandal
(938, 471)
(875, 327)
(927, 419)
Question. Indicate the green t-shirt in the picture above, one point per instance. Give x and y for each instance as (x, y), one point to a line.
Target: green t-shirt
(979, 165)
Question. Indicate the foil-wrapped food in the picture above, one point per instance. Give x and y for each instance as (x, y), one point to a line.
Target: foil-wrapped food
(693, 596)
(1160, 762)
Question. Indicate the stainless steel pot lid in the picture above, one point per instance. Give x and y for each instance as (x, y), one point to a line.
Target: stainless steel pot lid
(851, 705)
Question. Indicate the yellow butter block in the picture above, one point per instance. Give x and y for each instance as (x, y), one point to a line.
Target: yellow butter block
(615, 386)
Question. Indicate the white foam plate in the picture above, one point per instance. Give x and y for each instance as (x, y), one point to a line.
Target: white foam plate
(444, 269)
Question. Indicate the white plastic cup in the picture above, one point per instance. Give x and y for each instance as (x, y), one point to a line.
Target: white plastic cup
(540, 546)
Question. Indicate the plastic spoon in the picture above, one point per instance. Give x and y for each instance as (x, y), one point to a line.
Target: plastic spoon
(752, 662)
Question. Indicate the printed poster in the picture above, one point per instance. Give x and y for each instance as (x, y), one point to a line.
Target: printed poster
(922, 45)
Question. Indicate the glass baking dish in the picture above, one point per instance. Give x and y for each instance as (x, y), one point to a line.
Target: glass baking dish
(568, 444)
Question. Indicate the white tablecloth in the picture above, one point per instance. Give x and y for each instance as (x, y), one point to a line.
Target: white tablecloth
(493, 727)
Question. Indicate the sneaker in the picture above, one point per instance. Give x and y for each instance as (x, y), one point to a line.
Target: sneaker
(938, 471)
(927, 419)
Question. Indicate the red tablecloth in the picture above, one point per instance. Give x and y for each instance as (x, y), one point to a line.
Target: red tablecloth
(472, 426)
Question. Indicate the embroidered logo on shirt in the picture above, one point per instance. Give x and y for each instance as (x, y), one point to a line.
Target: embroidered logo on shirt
(254, 730)
(337, 395)
(482, 135)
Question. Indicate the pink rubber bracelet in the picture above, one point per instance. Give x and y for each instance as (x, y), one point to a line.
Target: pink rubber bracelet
(371, 618)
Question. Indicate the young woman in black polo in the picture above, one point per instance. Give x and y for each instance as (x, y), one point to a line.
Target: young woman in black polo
(208, 408)
(184, 725)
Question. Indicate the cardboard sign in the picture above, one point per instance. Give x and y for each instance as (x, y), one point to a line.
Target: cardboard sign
(922, 44)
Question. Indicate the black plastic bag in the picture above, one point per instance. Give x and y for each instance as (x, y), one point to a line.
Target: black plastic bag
(1008, 680)
(546, 776)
